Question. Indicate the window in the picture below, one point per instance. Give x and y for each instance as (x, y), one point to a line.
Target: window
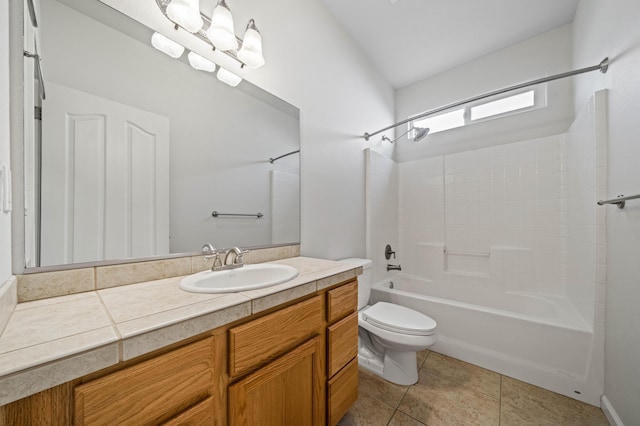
(504, 105)
(446, 121)
(484, 110)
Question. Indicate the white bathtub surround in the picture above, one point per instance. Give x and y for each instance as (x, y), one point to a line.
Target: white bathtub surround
(381, 211)
(508, 246)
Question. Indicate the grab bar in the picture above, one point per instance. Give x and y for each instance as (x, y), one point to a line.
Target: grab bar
(619, 201)
(216, 213)
(271, 160)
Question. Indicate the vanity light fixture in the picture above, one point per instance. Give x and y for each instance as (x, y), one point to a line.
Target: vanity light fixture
(217, 31)
(200, 63)
(221, 32)
(185, 13)
(166, 45)
(228, 77)
(251, 51)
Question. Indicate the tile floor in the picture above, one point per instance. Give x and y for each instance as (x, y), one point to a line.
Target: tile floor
(453, 392)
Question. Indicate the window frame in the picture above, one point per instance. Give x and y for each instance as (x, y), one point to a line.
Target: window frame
(539, 101)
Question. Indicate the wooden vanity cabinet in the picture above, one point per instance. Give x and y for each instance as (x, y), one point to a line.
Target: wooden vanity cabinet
(293, 365)
(342, 350)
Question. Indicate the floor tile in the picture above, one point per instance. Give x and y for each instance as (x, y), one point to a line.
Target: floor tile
(525, 404)
(376, 387)
(463, 373)
(437, 401)
(401, 419)
(421, 356)
(367, 411)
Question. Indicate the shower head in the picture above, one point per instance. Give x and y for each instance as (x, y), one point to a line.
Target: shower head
(420, 133)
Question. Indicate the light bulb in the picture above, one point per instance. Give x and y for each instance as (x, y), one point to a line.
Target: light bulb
(251, 51)
(200, 63)
(221, 32)
(228, 77)
(185, 13)
(166, 45)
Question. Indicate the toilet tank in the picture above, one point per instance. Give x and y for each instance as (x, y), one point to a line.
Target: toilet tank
(364, 280)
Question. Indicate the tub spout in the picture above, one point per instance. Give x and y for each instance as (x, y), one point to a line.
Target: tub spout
(394, 267)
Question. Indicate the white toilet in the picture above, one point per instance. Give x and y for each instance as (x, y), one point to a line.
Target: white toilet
(389, 335)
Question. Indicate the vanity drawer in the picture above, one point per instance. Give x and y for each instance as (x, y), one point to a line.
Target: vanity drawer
(200, 414)
(342, 343)
(342, 301)
(264, 339)
(152, 391)
(342, 392)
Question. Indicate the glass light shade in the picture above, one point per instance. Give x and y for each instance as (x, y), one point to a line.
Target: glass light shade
(200, 63)
(185, 13)
(228, 77)
(251, 51)
(221, 32)
(166, 45)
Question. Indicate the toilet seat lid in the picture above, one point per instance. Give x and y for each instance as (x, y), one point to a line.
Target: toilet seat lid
(399, 319)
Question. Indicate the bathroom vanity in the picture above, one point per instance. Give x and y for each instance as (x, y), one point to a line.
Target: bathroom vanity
(295, 360)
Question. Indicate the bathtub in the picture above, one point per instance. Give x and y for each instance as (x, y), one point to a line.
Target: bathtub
(541, 340)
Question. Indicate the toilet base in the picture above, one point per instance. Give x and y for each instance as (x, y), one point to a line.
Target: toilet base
(399, 367)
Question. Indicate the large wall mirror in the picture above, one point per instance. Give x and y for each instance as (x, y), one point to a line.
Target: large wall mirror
(135, 150)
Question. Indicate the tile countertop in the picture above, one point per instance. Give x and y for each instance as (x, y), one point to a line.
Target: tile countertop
(52, 341)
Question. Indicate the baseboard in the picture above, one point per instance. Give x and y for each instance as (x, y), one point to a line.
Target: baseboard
(610, 412)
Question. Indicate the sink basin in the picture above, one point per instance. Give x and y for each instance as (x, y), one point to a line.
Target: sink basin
(249, 277)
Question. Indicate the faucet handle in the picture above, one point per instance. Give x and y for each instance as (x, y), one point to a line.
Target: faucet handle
(388, 252)
(208, 248)
(239, 255)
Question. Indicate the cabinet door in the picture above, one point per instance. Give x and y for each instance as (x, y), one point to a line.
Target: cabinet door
(288, 391)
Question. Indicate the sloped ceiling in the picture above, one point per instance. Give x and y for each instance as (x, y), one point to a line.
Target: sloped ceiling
(410, 40)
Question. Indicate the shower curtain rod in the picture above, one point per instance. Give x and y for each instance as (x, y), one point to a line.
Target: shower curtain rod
(602, 66)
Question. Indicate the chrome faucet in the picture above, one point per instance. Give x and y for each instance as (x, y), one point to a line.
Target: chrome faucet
(223, 265)
(211, 252)
(237, 256)
(394, 267)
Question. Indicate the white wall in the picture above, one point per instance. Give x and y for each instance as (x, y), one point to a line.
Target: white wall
(5, 218)
(611, 29)
(313, 64)
(547, 54)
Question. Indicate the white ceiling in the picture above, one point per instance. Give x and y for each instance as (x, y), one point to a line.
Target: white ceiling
(409, 40)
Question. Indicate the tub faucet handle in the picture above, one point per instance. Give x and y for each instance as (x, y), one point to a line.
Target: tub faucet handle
(388, 252)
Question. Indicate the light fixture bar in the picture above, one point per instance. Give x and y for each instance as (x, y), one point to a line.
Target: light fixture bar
(202, 32)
